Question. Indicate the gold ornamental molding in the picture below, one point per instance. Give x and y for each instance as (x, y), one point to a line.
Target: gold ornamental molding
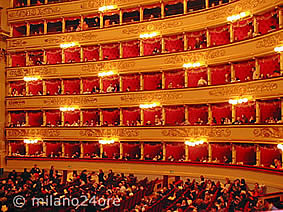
(109, 133)
(115, 65)
(269, 132)
(270, 41)
(69, 37)
(33, 133)
(30, 71)
(198, 132)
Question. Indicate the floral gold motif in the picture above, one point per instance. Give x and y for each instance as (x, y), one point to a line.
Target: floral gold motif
(270, 41)
(32, 12)
(84, 36)
(105, 66)
(69, 100)
(109, 133)
(269, 132)
(197, 132)
(32, 133)
(145, 98)
(30, 71)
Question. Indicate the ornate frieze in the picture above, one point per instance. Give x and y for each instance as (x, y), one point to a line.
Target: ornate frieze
(198, 132)
(109, 133)
(270, 41)
(83, 36)
(32, 133)
(30, 71)
(82, 100)
(269, 132)
(34, 11)
(106, 66)
(143, 98)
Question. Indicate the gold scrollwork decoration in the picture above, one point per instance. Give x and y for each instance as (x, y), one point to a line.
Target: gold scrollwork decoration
(109, 133)
(69, 100)
(269, 132)
(145, 98)
(16, 102)
(32, 133)
(83, 36)
(31, 12)
(197, 132)
(29, 71)
(270, 41)
(105, 66)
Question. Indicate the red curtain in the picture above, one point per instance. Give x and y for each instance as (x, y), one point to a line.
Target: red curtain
(18, 147)
(17, 88)
(152, 150)
(18, 117)
(268, 109)
(268, 154)
(131, 49)
(72, 117)
(220, 74)
(35, 118)
(91, 53)
(107, 81)
(243, 29)
(268, 65)
(151, 10)
(198, 112)
(174, 79)
(131, 149)
(35, 148)
(174, 115)
(220, 111)
(245, 154)
(19, 30)
(194, 76)
(221, 150)
(71, 86)
(111, 150)
(152, 81)
(131, 82)
(53, 147)
(219, 35)
(149, 115)
(91, 116)
(174, 43)
(267, 22)
(150, 45)
(54, 56)
(53, 86)
(131, 116)
(111, 51)
(246, 109)
(35, 87)
(90, 84)
(198, 153)
(177, 151)
(53, 117)
(72, 55)
(111, 116)
(54, 25)
(36, 56)
(18, 59)
(243, 70)
(196, 40)
(71, 149)
(91, 147)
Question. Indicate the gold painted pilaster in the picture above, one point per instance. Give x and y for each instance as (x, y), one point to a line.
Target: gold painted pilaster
(81, 118)
(231, 33)
(163, 45)
(11, 30)
(27, 149)
(9, 149)
(233, 154)
(101, 117)
(257, 155)
(281, 109)
(11, 3)
(121, 49)
(81, 22)
(101, 150)
(44, 118)
(100, 84)
(209, 152)
(100, 53)
(255, 24)
(81, 86)
(63, 149)
(163, 116)
(28, 29)
(208, 76)
(185, 4)
(141, 48)
(280, 14)
(121, 117)
(44, 57)
(141, 13)
(63, 25)
(186, 78)
(63, 56)
(233, 113)
(27, 118)
(45, 27)
(82, 150)
(162, 80)
(28, 2)
(257, 112)
(186, 113)
(121, 151)
(81, 54)
(207, 37)
(186, 152)
(162, 10)
(121, 16)
(141, 82)
(101, 20)
(142, 117)
(164, 151)
(206, 4)
(210, 117)
(121, 83)
(281, 63)
(257, 67)
(185, 41)
(142, 150)
(45, 1)
(62, 119)
(233, 75)
(44, 149)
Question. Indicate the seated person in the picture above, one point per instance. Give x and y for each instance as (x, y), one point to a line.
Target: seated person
(147, 157)
(85, 25)
(238, 121)
(202, 82)
(199, 122)
(276, 164)
(252, 120)
(226, 160)
(110, 88)
(156, 51)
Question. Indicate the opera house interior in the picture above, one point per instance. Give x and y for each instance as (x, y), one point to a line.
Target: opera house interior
(163, 105)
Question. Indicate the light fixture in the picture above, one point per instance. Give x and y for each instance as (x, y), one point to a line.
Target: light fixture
(280, 146)
(278, 49)
(68, 45)
(152, 105)
(108, 141)
(195, 142)
(106, 73)
(108, 7)
(64, 109)
(238, 16)
(238, 101)
(29, 141)
(192, 65)
(149, 35)
(34, 78)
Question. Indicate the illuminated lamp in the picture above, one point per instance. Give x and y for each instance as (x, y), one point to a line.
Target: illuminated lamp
(152, 105)
(149, 35)
(108, 7)
(106, 73)
(33, 78)
(68, 45)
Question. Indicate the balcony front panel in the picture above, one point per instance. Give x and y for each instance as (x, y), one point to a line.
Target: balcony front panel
(245, 134)
(222, 54)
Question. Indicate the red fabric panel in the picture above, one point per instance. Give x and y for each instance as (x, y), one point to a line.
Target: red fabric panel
(111, 116)
(219, 35)
(269, 64)
(111, 51)
(54, 20)
(91, 53)
(18, 59)
(268, 154)
(150, 44)
(196, 112)
(72, 55)
(111, 149)
(267, 22)
(198, 153)
(131, 49)
(54, 56)
(177, 151)
(52, 86)
(243, 29)
(174, 43)
(18, 117)
(17, 88)
(219, 151)
(71, 149)
(131, 82)
(271, 108)
(152, 149)
(246, 109)
(35, 148)
(131, 149)
(107, 81)
(35, 118)
(90, 83)
(71, 117)
(243, 70)
(152, 81)
(196, 40)
(18, 147)
(149, 115)
(174, 115)
(220, 111)
(53, 147)
(53, 117)
(131, 115)
(176, 79)
(35, 87)
(219, 73)
(19, 30)
(72, 18)
(245, 154)
(194, 75)
(71, 86)
(91, 116)
(90, 148)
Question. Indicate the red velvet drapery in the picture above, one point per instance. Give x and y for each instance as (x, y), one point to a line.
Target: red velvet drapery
(268, 154)
(72, 55)
(53, 56)
(131, 116)
(194, 76)
(71, 86)
(35, 87)
(131, 149)
(174, 43)
(150, 45)
(90, 85)
(114, 81)
(18, 117)
(19, 30)
(91, 117)
(35, 118)
(177, 151)
(53, 147)
(245, 154)
(150, 114)
(111, 51)
(270, 109)
(91, 53)
(131, 82)
(246, 109)
(221, 150)
(152, 150)
(174, 79)
(91, 148)
(196, 40)
(220, 74)
(71, 117)
(34, 149)
(18, 88)
(198, 153)
(111, 116)
(53, 87)
(220, 111)
(174, 115)
(71, 149)
(243, 70)
(152, 81)
(269, 65)
(131, 15)
(198, 112)
(18, 59)
(131, 49)
(243, 29)
(53, 117)
(267, 22)
(18, 147)
(111, 150)
(219, 35)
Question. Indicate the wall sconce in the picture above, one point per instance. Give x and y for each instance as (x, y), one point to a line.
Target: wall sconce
(149, 35)
(106, 73)
(152, 105)
(195, 142)
(238, 16)
(280, 146)
(278, 49)
(68, 45)
(64, 109)
(34, 78)
(192, 65)
(109, 7)
(108, 141)
(238, 101)
(30, 141)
